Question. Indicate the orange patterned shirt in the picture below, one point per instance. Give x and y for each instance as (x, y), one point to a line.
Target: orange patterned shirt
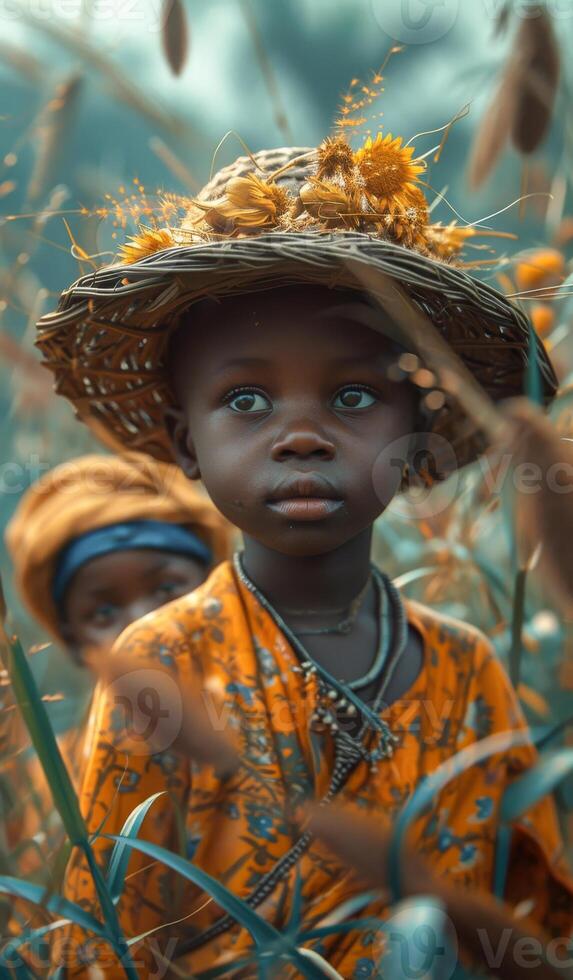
(221, 641)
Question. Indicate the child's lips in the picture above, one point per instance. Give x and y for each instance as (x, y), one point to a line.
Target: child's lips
(305, 497)
(306, 508)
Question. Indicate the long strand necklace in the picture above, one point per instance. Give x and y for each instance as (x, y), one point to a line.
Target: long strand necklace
(334, 695)
(344, 626)
(345, 758)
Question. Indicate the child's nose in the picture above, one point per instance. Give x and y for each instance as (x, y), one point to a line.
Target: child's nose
(303, 440)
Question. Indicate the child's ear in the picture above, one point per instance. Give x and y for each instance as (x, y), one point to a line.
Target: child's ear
(181, 442)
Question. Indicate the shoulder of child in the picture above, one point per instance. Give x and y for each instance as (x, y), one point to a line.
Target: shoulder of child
(463, 660)
(449, 636)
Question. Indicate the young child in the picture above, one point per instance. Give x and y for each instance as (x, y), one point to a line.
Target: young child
(254, 357)
(96, 543)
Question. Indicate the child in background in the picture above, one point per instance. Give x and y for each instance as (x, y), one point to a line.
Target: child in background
(258, 361)
(96, 543)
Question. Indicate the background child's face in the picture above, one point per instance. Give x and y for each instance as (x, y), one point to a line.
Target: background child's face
(286, 407)
(109, 593)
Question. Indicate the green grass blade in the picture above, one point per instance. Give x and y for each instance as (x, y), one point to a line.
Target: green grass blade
(269, 941)
(120, 856)
(36, 718)
(535, 784)
(30, 935)
(261, 931)
(322, 965)
(19, 970)
(60, 906)
(517, 620)
(358, 925)
(522, 794)
(44, 741)
(227, 969)
(501, 859)
(338, 919)
(115, 935)
(542, 735)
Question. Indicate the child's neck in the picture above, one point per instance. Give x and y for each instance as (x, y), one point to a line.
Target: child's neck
(317, 582)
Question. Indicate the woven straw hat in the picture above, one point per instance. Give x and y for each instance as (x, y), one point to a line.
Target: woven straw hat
(283, 216)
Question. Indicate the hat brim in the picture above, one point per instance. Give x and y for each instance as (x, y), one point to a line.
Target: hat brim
(106, 343)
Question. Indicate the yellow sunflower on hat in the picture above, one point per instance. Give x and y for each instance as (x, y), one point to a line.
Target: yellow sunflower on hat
(390, 170)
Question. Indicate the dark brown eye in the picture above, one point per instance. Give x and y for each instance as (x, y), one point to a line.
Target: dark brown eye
(249, 401)
(354, 398)
(103, 615)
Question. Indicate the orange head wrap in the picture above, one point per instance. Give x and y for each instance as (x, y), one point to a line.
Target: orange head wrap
(91, 492)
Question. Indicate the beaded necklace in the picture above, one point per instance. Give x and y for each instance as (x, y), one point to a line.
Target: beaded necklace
(334, 695)
(349, 751)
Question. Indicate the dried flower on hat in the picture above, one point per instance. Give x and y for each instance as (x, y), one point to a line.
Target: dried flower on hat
(335, 158)
(388, 169)
(445, 241)
(146, 242)
(331, 205)
(407, 224)
(375, 189)
(249, 202)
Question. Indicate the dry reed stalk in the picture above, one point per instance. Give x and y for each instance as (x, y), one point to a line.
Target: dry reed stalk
(538, 64)
(21, 61)
(52, 130)
(124, 88)
(522, 106)
(493, 131)
(267, 71)
(543, 463)
(453, 376)
(362, 843)
(174, 164)
(174, 35)
(12, 353)
(502, 19)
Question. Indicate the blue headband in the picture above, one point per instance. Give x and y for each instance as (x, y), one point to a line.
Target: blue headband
(157, 535)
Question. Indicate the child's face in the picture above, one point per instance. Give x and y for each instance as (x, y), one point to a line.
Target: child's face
(109, 593)
(286, 407)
